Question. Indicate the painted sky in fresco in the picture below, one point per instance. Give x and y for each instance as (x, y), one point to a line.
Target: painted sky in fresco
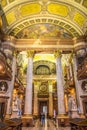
(44, 31)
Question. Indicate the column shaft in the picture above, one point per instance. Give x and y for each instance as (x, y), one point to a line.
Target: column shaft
(60, 88)
(77, 85)
(11, 87)
(28, 94)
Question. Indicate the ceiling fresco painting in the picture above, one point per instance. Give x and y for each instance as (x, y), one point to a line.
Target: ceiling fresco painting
(69, 16)
(44, 31)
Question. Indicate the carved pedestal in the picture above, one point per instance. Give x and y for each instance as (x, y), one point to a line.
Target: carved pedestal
(74, 113)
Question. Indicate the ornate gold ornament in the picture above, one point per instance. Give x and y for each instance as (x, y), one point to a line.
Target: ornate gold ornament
(15, 53)
(58, 54)
(30, 53)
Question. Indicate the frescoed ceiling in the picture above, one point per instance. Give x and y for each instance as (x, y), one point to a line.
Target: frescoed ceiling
(44, 18)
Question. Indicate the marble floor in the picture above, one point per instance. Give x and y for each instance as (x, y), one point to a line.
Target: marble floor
(49, 125)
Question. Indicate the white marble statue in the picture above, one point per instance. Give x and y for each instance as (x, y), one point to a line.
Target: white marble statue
(72, 107)
(72, 103)
(17, 103)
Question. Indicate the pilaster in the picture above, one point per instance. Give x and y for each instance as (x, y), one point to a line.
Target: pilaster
(50, 98)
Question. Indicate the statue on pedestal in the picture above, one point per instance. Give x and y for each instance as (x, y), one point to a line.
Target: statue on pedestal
(72, 107)
(17, 106)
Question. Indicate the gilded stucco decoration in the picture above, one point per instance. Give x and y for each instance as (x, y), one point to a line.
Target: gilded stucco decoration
(11, 17)
(78, 1)
(4, 2)
(30, 9)
(43, 89)
(84, 3)
(58, 9)
(11, 1)
(79, 18)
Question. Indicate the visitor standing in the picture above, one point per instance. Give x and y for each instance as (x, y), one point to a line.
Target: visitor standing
(43, 119)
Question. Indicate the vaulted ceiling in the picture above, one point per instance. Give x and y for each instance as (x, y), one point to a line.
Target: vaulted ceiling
(35, 19)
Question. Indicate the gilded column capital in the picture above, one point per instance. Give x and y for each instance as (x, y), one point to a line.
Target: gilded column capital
(58, 54)
(73, 54)
(30, 53)
(37, 83)
(71, 57)
(50, 82)
(15, 54)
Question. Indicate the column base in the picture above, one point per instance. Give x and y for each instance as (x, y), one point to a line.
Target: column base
(27, 120)
(63, 120)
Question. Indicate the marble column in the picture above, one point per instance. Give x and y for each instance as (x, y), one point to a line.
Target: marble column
(11, 86)
(77, 86)
(50, 99)
(35, 98)
(60, 86)
(28, 94)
